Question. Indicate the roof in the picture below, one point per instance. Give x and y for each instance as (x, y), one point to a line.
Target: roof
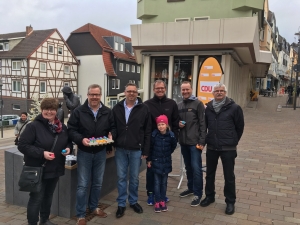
(98, 34)
(28, 45)
(12, 35)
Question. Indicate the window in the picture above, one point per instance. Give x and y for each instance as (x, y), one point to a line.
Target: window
(16, 65)
(43, 67)
(116, 46)
(138, 69)
(1, 47)
(43, 87)
(201, 18)
(16, 107)
(121, 47)
(60, 50)
(66, 84)
(67, 69)
(16, 86)
(0, 64)
(117, 83)
(127, 67)
(6, 46)
(133, 68)
(113, 84)
(120, 66)
(182, 19)
(51, 49)
(113, 102)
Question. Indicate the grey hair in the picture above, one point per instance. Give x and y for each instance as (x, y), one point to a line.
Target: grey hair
(219, 85)
(92, 86)
(159, 82)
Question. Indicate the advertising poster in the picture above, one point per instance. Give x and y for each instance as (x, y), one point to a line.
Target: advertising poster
(210, 74)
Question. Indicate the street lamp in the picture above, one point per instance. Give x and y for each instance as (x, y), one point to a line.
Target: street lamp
(297, 73)
(1, 105)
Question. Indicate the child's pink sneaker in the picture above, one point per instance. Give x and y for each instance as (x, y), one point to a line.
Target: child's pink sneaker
(163, 206)
(157, 207)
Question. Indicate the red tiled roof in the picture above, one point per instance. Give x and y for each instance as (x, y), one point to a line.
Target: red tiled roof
(98, 33)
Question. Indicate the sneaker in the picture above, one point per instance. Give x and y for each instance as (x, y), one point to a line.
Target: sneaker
(195, 201)
(150, 199)
(81, 221)
(99, 212)
(185, 193)
(163, 206)
(167, 199)
(157, 207)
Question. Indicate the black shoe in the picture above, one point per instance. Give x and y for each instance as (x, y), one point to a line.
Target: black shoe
(195, 201)
(48, 222)
(207, 201)
(137, 208)
(185, 193)
(120, 211)
(229, 209)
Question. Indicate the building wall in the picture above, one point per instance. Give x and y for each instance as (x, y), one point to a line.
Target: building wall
(91, 71)
(156, 11)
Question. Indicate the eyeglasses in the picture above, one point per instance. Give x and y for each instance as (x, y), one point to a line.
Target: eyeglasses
(221, 91)
(131, 92)
(94, 95)
(162, 88)
(49, 110)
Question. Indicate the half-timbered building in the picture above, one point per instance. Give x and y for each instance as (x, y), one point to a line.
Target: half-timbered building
(34, 63)
(106, 58)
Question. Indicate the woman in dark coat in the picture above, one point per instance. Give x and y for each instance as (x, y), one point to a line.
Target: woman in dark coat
(35, 143)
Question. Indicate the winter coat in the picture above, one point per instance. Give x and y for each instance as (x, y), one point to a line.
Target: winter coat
(37, 138)
(83, 124)
(164, 106)
(224, 129)
(18, 126)
(162, 147)
(136, 133)
(192, 112)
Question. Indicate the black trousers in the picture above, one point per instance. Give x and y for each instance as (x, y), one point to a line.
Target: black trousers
(40, 202)
(228, 161)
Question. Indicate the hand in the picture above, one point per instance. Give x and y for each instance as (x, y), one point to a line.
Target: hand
(144, 157)
(200, 147)
(109, 135)
(49, 155)
(181, 125)
(66, 153)
(149, 164)
(108, 152)
(85, 142)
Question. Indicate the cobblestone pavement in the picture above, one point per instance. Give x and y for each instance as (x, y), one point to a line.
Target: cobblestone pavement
(267, 177)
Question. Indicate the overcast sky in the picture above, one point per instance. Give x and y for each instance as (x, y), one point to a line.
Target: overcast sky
(115, 15)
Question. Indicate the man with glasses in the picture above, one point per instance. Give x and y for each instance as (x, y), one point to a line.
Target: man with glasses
(192, 140)
(133, 122)
(225, 126)
(92, 119)
(160, 105)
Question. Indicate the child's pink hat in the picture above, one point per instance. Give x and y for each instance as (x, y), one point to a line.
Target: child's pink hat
(162, 119)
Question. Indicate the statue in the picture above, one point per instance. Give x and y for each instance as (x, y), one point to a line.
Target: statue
(72, 100)
(60, 113)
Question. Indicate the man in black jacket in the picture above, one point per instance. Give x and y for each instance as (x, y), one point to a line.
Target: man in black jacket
(92, 119)
(133, 122)
(225, 126)
(160, 105)
(192, 140)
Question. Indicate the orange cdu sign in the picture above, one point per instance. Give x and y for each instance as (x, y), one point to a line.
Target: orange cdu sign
(210, 74)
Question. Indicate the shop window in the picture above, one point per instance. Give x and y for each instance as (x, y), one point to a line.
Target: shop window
(159, 70)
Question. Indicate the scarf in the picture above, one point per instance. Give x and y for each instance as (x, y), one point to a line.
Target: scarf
(56, 127)
(218, 105)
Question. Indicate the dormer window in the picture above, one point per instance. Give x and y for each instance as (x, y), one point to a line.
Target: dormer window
(4, 46)
(121, 48)
(116, 46)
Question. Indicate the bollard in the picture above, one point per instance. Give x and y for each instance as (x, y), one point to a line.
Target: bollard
(279, 107)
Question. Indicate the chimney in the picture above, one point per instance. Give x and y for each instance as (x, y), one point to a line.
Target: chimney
(29, 30)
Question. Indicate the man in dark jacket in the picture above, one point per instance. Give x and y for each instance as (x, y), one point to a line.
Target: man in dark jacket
(133, 122)
(160, 105)
(225, 126)
(92, 119)
(192, 140)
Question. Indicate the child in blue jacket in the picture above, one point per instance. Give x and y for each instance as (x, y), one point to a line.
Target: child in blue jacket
(163, 144)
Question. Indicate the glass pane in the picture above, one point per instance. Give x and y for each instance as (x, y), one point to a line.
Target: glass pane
(159, 71)
(183, 67)
(19, 86)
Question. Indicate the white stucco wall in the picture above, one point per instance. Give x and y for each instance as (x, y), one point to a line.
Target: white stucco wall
(90, 71)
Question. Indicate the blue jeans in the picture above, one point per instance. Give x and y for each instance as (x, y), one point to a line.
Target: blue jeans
(193, 165)
(160, 186)
(89, 166)
(128, 159)
(40, 202)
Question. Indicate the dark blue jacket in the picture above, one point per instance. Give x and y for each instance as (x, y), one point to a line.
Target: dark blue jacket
(162, 147)
(224, 129)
